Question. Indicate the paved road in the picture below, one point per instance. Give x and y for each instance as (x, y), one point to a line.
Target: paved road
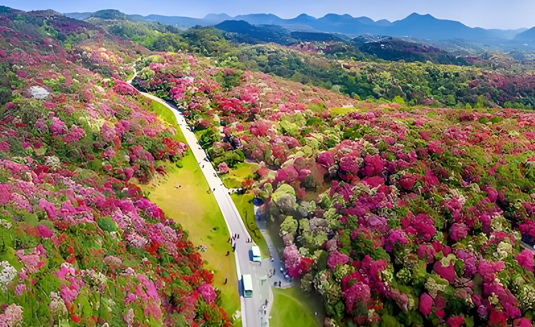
(251, 308)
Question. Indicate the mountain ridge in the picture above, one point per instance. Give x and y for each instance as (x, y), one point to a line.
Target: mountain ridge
(424, 26)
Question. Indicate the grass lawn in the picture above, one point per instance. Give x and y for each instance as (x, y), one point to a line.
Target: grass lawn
(342, 111)
(244, 203)
(237, 175)
(294, 307)
(199, 214)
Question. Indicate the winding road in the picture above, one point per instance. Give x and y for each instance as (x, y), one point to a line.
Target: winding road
(252, 310)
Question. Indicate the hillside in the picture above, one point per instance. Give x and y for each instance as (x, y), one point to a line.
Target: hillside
(386, 207)
(79, 242)
(395, 216)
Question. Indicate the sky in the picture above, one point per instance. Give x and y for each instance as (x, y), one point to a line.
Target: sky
(504, 14)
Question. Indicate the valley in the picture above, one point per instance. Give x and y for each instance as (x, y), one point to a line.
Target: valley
(255, 171)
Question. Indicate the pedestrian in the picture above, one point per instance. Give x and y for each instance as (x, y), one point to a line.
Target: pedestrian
(238, 235)
(226, 280)
(228, 252)
(229, 239)
(280, 283)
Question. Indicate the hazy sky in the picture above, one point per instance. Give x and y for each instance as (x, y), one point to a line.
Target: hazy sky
(483, 13)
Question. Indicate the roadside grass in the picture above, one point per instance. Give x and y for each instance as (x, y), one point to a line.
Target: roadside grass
(294, 307)
(244, 204)
(168, 116)
(199, 214)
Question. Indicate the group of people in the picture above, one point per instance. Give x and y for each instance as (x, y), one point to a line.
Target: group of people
(264, 307)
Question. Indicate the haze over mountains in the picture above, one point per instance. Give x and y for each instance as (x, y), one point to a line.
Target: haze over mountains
(415, 26)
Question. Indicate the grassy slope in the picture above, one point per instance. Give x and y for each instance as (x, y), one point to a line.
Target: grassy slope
(292, 307)
(245, 206)
(199, 214)
(168, 116)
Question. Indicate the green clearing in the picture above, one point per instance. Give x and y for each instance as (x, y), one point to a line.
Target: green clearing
(244, 203)
(294, 307)
(237, 175)
(198, 213)
(342, 110)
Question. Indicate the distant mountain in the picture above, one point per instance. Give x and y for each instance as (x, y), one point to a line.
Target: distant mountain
(527, 36)
(179, 21)
(414, 26)
(429, 27)
(79, 15)
(109, 14)
(383, 22)
(396, 48)
(249, 33)
(256, 33)
(217, 17)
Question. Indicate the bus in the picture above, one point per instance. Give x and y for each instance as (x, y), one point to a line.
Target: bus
(247, 285)
(256, 253)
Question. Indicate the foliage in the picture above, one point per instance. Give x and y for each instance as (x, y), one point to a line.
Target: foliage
(380, 204)
(79, 244)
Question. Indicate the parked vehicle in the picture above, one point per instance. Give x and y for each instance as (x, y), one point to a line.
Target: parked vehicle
(247, 282)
